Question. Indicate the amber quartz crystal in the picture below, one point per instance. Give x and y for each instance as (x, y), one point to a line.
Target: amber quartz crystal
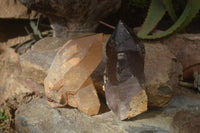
(68, 81)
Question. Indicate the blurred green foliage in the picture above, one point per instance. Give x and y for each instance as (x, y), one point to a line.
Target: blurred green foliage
(181, 12)
(3, 116)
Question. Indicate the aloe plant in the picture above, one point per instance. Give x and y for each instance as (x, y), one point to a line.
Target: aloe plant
(157, 10)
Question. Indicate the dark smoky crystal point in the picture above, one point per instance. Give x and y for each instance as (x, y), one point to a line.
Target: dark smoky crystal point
(124, 69)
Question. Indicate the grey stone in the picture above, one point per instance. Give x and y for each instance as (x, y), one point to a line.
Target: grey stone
(186, 122)
(37, 61)
(38, 116)
(146, 129)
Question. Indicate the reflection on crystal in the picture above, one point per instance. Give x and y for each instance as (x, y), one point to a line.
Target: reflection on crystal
(125, 73)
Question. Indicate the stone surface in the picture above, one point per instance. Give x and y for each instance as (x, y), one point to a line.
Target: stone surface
(37, 61)
(69, 73)
(69, 17)
(14, 9)
(15, 88)
(162, 73)
(38, 116)
(186, 48)
(124, 78)
(186, 122)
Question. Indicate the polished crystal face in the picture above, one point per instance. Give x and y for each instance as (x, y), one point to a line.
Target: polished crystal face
(124, 70)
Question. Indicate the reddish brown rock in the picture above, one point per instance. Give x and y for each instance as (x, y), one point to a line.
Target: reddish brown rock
(66, 82)
(186, 48)
(15, 88)
(162, 73)
(36, 62)
(14, 9)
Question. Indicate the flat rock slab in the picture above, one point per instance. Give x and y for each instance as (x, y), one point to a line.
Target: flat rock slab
(38, 116)
(36, 62)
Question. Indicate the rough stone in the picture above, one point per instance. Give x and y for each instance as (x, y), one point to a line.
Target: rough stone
(162, 73)
(186, 48)
(14, 9)
(69, 17)
(38, 116)
(15, 88)
(67, 81)
(37, 61)
(186, 122)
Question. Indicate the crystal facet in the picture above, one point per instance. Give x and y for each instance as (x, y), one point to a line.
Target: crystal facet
(124, 82)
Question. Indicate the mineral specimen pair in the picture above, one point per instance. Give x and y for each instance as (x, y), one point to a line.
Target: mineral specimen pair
(69, 82)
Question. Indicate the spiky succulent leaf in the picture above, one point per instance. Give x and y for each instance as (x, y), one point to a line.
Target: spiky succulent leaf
(170, 9)
(195, 7)
(186, 17)
(156, 12)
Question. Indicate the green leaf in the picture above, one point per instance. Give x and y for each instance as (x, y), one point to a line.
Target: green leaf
(3, 115)
(186, 17)
(195, 7)
(155, 14)
(170, 9)
(35, 29)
